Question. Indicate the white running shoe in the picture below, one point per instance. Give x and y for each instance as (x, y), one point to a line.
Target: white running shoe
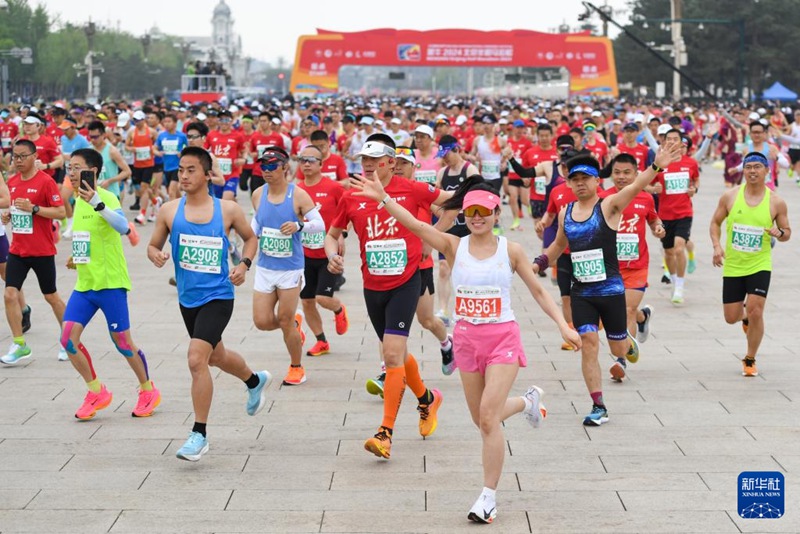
(537, 412)
(483, 511)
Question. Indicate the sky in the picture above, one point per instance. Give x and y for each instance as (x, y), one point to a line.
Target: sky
(270, 31)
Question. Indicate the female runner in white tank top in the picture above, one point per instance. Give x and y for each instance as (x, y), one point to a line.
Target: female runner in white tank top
(487, 344)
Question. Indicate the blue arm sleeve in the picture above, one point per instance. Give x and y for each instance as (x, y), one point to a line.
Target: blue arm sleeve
(116, 218)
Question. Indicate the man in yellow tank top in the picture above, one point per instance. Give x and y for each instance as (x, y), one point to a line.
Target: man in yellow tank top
(753, 215)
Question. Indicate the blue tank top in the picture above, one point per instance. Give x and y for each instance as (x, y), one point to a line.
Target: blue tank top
(276, 251)
(200, 254)
(593, 251)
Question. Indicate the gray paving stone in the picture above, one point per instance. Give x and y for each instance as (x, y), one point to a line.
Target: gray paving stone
(682, 427)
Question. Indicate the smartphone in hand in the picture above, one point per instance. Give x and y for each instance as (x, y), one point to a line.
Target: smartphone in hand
(88, 180)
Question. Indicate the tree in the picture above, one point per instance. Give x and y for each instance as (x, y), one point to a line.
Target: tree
(713, 48)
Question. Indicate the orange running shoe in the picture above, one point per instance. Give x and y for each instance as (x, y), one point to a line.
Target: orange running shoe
(342, 322)
(319, 348)
(749, 368)
(295, 376)
(745, 325)
(147, 403)
(298, 319)
(427, 414)
(133, 235)
(380, 444)
(93, 402)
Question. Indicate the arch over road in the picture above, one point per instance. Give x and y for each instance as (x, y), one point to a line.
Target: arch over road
(589, 59)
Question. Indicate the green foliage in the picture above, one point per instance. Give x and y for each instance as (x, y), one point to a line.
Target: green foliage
(56, 49)
(713, 50)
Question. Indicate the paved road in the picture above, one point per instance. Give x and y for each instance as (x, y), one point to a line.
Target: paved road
(682, 428)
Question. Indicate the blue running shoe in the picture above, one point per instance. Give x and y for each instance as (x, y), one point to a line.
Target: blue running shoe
(598, 416)
(375, 385)
(256, 398)
(195, 447)
(691, 266)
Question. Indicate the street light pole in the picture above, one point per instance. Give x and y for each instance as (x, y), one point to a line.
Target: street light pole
(677, 47)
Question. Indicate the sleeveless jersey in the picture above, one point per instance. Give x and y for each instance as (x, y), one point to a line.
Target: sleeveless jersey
(593, 251)
(276, 251)
(483, 287)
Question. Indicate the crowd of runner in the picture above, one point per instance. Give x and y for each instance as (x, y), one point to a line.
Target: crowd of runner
(423, 184)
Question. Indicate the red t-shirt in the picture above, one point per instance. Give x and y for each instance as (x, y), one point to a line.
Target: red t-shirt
(260, 141)
(8, 132)
(634, 222)
(599, 150)
(38, 240)
(381, 235)
(46, 151)
(326, 196)
(333, 168)
(519, 147)
(298, 144)
(560, 196)
(341, 141)
(674, 202)
(227, 148)
(640, 152)
(531, 158)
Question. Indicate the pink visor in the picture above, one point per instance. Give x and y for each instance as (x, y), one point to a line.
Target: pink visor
(487, 199)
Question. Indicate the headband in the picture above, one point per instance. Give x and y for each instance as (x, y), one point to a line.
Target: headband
(756, 157)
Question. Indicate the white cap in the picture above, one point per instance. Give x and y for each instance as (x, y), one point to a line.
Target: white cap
(424, 129)
(502, 121)
(639, 117)
(376, 149)
(233, 109)
(461, 120)
(687, 109)
(596, 114)
(761, 111)
(578, 109)
(30, 119)
(380, 123)
(504, 113)
(123, 119)
(587, 110)
(663, 129)
(754, 116)
(34, 109)
(139, 115)
(276, 120)
(366, 120)
(395, 120)
(201, 116)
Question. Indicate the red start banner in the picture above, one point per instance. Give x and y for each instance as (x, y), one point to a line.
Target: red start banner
(589, 59)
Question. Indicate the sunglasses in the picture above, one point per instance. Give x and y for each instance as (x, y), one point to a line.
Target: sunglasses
(308, 159)
(95, 136)
(196, 136)
(225, 120)
(472, 211)
(270, 166)
(404, 151)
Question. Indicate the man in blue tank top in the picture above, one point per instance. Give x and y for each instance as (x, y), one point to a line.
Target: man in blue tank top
(283, 212)
(589, 228)
(198, 226)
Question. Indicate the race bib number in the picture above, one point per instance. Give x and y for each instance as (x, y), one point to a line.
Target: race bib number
(225, 165)
(478, 304)
(428, 177)
(141, 153)
(588, 265)
(170, 147)
(627, 247)
(81, 247)
(260, 149)
(6, 142)
(386, 258)
(248, 159)
(200, 254)
(539, 186)
(676, 183)
(747, 238)
(21, 221)
(313, 241)
(490, 169)
(275, 244)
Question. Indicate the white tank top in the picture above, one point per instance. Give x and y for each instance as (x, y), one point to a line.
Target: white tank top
(483, 287)
(490, 161)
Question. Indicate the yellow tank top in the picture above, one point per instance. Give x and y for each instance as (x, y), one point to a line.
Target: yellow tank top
(747, 247)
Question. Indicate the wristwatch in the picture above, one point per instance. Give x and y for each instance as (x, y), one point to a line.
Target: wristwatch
(781, 231)
(656, 168)
(35, 210)
(100, 207)
(247, 262)
(300, 225)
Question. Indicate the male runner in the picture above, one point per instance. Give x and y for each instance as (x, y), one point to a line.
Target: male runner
(169, 144)
(753, 214)
(228, 148)
(319, 282)
(35, 202)
(198, 226)
(280, 209)
(588, 226)
(102, 284)
(140, 141)
(390, 256)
